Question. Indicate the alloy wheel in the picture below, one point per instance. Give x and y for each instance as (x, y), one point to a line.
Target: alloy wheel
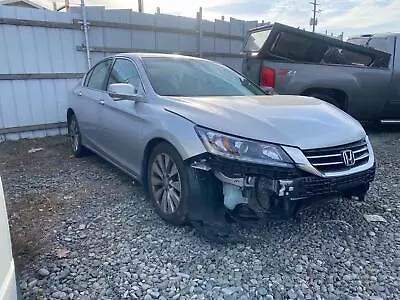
(166, 183)
(74, 135)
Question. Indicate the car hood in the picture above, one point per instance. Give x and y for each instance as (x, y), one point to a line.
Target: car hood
(303, 122)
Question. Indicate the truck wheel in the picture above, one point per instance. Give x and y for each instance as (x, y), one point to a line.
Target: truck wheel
(327, 98)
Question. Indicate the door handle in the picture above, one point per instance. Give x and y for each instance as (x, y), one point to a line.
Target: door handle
(101, 102)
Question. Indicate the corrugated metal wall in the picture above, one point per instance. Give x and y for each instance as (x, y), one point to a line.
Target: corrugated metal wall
(42, 54)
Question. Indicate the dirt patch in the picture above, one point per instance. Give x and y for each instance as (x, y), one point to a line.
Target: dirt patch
(40, 189)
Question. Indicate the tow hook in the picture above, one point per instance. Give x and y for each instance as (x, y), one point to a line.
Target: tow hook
(286, 187)
(289, 205)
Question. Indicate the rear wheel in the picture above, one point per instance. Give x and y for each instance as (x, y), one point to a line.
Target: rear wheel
(168, 183)
(75, 137)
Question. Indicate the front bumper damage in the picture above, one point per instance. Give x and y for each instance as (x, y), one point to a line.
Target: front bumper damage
(266, 188)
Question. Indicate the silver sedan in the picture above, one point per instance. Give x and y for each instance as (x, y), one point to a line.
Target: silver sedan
(203, 139)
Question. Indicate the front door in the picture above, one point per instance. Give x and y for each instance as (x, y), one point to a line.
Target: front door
(121, 121)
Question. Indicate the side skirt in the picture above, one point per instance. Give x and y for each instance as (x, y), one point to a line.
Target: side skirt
(113, 162)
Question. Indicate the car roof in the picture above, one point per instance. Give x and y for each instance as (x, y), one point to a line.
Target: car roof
(164, 55)
(140, 55)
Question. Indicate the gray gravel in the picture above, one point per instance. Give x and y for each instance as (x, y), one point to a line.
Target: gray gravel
(82, 230)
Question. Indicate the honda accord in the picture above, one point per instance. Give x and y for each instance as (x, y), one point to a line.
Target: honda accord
(203, 138)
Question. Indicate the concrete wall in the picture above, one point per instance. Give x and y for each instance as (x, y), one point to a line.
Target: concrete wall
(42, 55)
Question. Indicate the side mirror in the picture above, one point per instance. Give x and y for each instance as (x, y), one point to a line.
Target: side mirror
(123, 91)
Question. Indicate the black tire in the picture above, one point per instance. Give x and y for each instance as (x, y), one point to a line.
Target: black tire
(326, 98)
(289, 208)
(75, 137)
(178, 214)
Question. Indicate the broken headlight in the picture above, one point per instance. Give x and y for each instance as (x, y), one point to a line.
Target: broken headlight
(242, 149)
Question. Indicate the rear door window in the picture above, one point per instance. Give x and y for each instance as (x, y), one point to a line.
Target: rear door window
(99, 75)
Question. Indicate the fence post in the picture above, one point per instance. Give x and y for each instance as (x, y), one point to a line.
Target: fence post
(200, 31)
(85, 30)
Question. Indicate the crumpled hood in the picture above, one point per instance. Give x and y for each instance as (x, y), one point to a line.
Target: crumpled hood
(304, 122)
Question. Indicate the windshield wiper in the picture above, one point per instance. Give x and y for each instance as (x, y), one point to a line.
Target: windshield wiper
(251, 87)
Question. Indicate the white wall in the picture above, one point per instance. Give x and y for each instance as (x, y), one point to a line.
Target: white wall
(43, 49)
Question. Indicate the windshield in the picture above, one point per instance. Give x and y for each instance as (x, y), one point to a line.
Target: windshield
(191, 77)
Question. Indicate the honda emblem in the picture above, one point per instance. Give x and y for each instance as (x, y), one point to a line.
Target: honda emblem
(348, 158)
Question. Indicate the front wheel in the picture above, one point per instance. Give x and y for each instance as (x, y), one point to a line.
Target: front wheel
(168, 183)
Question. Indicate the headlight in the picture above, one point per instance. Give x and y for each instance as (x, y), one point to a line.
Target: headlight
(241, 149)
(370, 149)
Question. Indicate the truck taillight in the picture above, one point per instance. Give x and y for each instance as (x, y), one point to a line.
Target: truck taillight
(267, 77)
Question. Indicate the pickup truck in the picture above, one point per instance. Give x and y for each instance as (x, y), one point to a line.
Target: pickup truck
(360, 76)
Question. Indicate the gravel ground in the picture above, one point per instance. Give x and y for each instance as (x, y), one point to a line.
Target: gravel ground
(82, 230)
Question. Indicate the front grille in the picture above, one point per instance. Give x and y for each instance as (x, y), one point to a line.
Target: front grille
(315, 186)
(331, 159)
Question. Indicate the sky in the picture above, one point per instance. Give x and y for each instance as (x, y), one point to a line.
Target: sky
(336, 16)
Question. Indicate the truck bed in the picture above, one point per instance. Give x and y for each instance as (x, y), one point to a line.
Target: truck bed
(355, 78)
(279, 42)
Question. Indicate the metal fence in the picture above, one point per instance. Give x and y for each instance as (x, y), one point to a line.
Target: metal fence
(42, 53)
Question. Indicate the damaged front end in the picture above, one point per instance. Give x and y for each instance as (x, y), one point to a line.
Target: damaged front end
(314, 175)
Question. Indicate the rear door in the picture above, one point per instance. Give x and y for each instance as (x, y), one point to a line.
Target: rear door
(89, 101)
(121, 121)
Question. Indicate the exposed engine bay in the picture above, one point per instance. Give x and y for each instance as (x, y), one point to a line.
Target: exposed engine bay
(271, 189)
